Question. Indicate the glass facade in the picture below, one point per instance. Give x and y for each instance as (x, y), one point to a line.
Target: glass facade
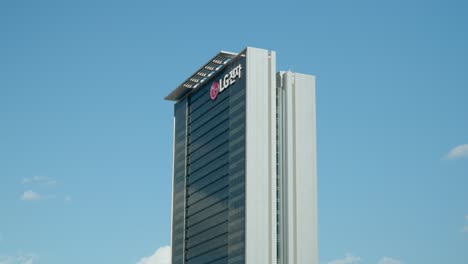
(209, 174)
(236, 204)
(179, 196)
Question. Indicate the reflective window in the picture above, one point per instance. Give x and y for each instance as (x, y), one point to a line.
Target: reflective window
(209, 176)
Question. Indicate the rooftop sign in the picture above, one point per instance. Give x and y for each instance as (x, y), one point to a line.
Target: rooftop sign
(227, 80)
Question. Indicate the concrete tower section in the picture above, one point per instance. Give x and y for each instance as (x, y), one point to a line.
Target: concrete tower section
(244, 172)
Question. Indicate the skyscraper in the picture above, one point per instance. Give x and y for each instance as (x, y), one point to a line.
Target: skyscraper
(244, 173)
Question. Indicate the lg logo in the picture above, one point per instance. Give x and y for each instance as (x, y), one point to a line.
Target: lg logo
(224, 83)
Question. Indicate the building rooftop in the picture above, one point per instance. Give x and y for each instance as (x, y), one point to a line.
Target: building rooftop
(202, 75)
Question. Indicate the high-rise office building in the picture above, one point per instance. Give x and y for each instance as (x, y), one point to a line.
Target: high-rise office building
(244, 173)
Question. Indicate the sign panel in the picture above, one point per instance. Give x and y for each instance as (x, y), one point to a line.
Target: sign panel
(227, 80)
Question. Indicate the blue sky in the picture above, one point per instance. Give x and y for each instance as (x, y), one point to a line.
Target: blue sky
(86, 137)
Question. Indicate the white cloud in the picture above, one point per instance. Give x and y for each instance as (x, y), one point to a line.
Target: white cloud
(458, 152)
(465, 229)
(161, 256)
(40, 180)
(387, 260)
(31, 196)
(348, 259)
(18, 259)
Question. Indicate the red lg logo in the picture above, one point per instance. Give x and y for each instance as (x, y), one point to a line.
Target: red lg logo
(224, 82)
(214, 91)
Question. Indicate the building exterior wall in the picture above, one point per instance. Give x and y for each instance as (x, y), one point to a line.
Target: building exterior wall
(209, 174)
(260, 157)
(179, 176)
(299, 173)
(244, 172)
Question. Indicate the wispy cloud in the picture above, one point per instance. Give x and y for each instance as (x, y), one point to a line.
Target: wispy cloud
(18, 259)
(458, 152)
(161, 256)
(387, 260)
(348, 259)
(31, 195)
(67, 198)
(39, 180)
(351, 259)
(465, 228)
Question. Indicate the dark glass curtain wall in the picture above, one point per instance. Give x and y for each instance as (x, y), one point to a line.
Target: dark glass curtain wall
(209, 175)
